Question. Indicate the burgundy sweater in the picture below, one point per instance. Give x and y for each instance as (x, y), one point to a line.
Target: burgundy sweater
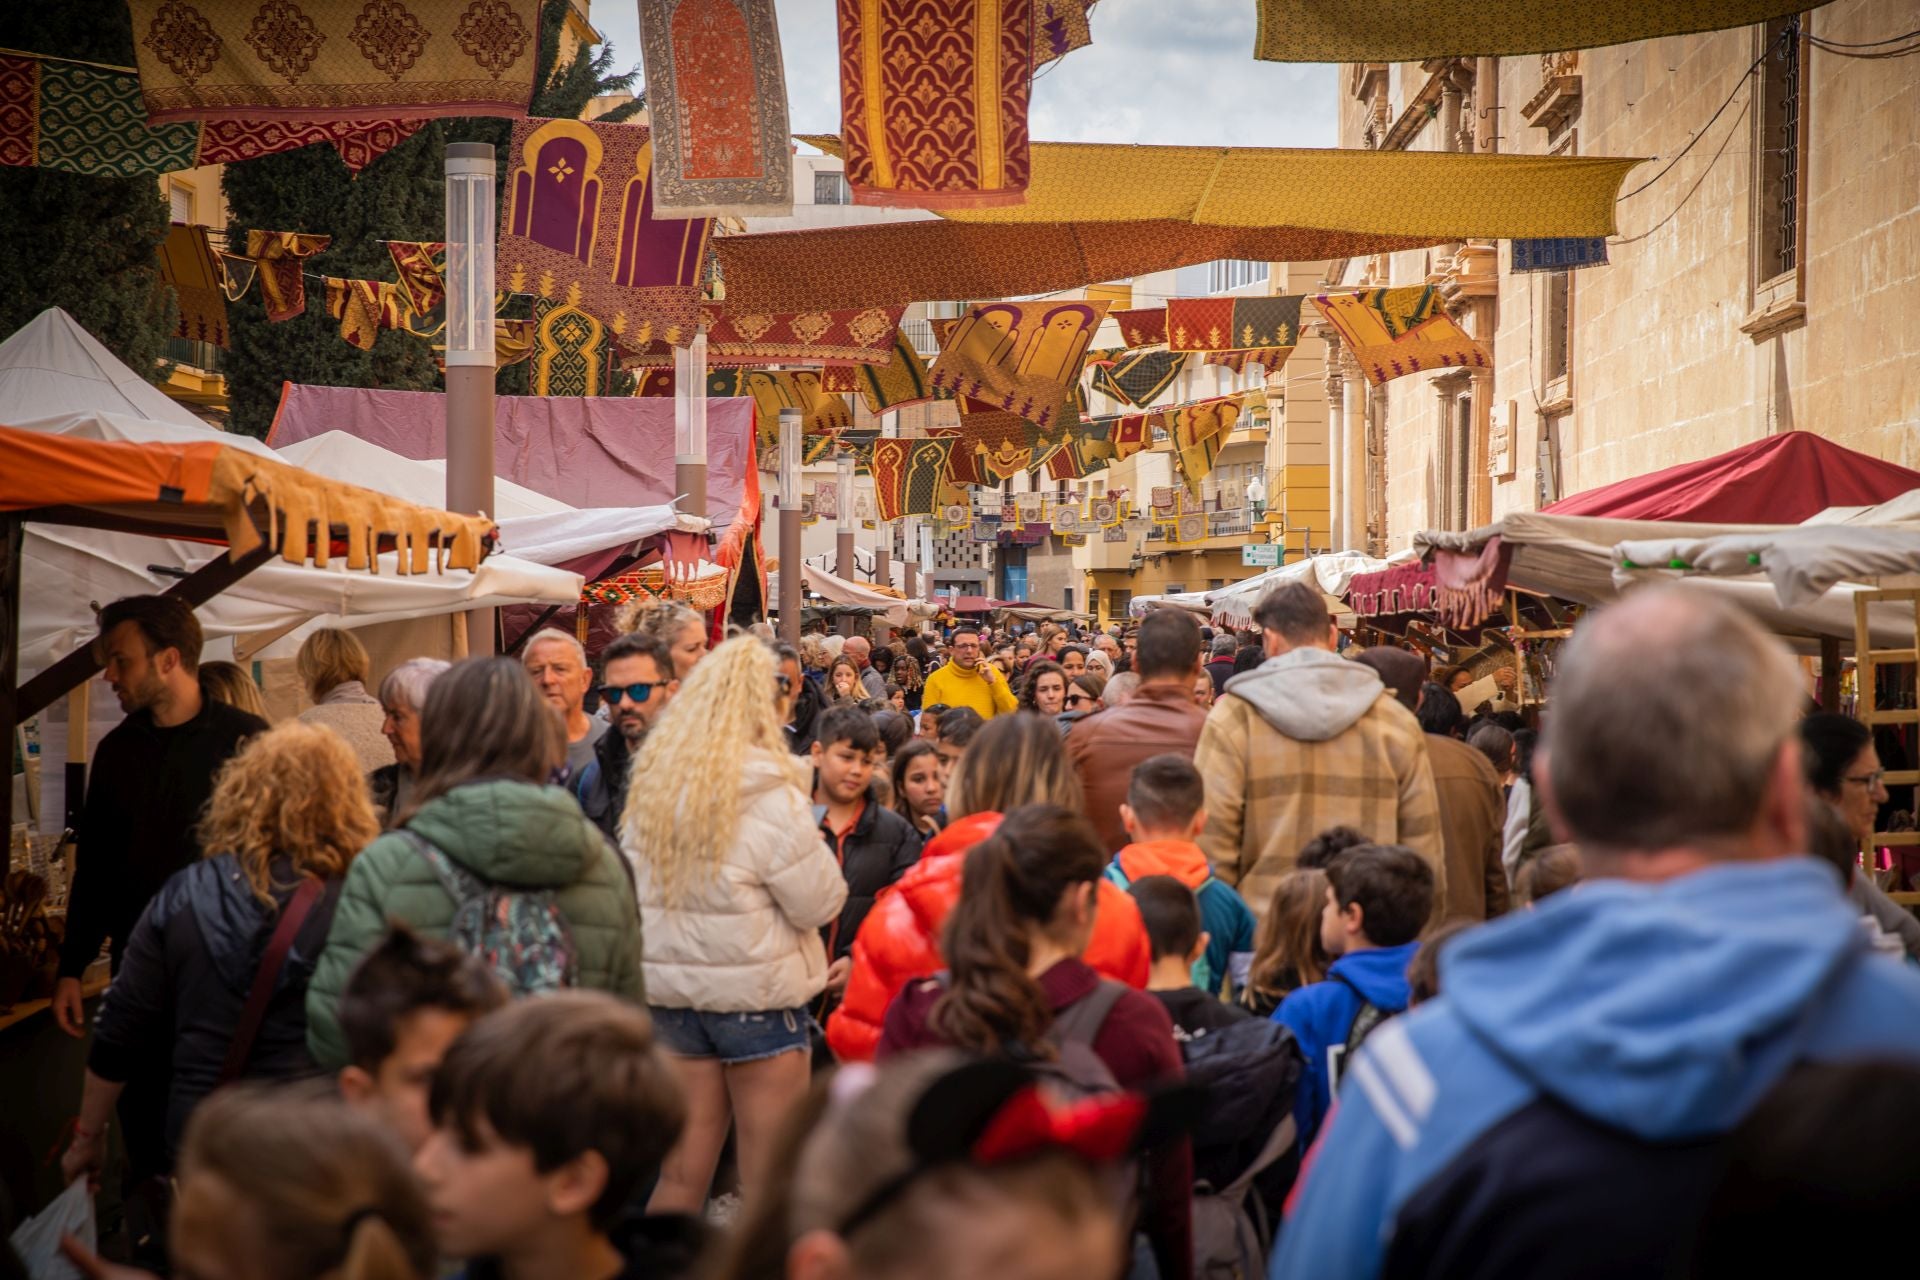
(1136, 1042)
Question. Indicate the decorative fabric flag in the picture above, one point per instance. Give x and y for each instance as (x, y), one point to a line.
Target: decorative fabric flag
(1268, 358)
(188, 264)
(422, 268)
(653, 382)
(1233, 324)
(1411, 30)
(908, 476)
(933, 101)
(899, 263)
(513, 342)
(839, 379)
(1198, 431)
(84, 118)
(717, 100)
(864, 335)
(963, 461)
(1082, 454)
(1563, 254)
(1006, 441)
(1130, 434)
(1395, 332)
(364, 308)
(1142, 326)
(332, 60)
(1060, 27)
(580, 227)
(776, 389)
(572, 355)
(1140, 377)
(1020, 357)
(943, 331)
(901, 381)
(278, 254)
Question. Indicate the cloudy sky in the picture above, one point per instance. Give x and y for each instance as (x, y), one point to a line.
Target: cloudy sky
(1155, 73)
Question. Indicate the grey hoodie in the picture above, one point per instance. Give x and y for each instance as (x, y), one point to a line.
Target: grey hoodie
(1309, 695)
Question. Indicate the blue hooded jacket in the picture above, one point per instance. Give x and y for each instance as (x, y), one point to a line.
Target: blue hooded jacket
(1557, 1109)
(1321, 1015)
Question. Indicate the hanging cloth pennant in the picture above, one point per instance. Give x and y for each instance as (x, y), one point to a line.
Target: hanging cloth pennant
(1233, 324)
(364, 308)
(1396, 332)
(653, 382)
(1199, 430)
(908, 476)
(422, 269)
(933, 101)
(572, 354)
(1006, 441)
(1142, 326)
(1060, 27)
(717, 100)
(775, 389)
(248, 61)
(839, 379)
(279, 255)
(1130, 434)
(903, 380)
(187, 263)
(1021, 357)
(963, 461)
(513, 343)
(580, 229)
(1081, 454)
(236, 275)
(1140, 377)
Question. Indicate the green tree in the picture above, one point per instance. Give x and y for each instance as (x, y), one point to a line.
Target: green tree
(83, 243)
(400, 196)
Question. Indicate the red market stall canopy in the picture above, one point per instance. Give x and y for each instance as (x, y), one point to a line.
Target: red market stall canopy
(1782, 479)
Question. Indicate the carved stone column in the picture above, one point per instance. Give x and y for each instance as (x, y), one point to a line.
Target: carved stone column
(1336, 447)
(1354, 454)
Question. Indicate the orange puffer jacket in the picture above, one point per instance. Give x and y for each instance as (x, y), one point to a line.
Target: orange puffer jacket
(900, 938)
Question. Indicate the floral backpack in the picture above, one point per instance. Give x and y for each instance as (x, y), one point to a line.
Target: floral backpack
(521, 934)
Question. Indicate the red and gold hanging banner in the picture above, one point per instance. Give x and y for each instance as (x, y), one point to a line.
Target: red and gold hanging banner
(1022, 358)
(1395, 332)
(1142, 326)
(279, 255)
(1233, 324)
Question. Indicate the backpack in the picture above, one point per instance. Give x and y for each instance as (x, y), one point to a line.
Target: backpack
(520, 934)
(1366, 1020)
(1248, 1074)
(1075, 1070)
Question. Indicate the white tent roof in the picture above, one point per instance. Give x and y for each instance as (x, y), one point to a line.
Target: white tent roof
(52, 366)
(1331, 571)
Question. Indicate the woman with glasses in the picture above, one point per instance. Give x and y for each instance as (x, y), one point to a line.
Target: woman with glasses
(1843, 769)
(1083, 699)
(734, 883)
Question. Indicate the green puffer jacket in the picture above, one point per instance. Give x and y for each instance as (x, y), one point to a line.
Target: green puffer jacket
(514, 834)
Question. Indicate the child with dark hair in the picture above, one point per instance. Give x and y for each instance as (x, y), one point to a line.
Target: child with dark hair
(1164, 813)
(1316, 853)
(1378, 899)
(1171, 913)
(955, 733)
(874, 845)
(1546, 873)
(550, 1117)
(406, 1001)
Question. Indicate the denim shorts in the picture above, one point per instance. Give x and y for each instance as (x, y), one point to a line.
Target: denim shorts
(731, 1037)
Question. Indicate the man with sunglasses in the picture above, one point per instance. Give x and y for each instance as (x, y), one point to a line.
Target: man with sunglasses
(637, 687)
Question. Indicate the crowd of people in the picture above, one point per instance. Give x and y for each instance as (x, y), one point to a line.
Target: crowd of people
(1140, 952)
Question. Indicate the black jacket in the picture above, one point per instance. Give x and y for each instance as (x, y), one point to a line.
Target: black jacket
(144, 795)
(875, 853)
(601, 787)
(661, 1246)
(1221, 670)
(188, 969)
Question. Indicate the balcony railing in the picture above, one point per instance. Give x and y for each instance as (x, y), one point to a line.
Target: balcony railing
(197, 355)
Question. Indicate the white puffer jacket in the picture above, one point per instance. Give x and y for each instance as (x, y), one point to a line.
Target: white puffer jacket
(747, 940)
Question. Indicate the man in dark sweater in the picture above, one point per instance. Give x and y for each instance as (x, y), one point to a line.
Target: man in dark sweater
(150, 778)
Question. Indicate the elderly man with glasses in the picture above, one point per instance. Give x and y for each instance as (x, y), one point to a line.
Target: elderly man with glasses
(637, 687)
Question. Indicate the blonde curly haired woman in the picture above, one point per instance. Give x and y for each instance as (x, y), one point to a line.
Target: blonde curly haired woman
(288, 816)
(734, 883)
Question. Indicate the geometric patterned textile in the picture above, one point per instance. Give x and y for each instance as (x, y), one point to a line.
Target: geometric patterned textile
(364, 307)
(1006, 443)
(1141, 327)
(1060, 27)
(1412, 30)
(839, 379)
(1395, 332)
(580, 228)
(775, 389)
(908, 476)
(860, 336)
(187, 263)
(901, 381)
(1084, 452)
(1141, 377)
(1560, 254)
(278, 254)
(334, 59)
(1233, 324)
(933, 100)
(717, 100)
(1198, 431)
(82, 118)
(1268, 358)
(422, 267)
(899, 263)
(1021, 357)
(1459, 194)
(571, 355)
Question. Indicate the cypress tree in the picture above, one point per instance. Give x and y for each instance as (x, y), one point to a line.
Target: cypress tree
(83, 243)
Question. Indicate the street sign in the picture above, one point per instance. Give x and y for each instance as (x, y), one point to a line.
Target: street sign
(1260, 555)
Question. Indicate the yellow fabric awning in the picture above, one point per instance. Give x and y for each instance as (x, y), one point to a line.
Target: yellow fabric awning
(1451, 195)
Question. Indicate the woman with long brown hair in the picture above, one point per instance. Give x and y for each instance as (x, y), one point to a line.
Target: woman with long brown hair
(287, 817)
(482, 818)
(1016, 987)
(1287, 954)
(843, 681)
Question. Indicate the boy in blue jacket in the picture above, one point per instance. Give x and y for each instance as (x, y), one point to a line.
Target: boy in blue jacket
(1378, 898)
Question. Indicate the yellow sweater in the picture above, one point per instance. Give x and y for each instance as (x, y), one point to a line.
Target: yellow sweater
(986, 693)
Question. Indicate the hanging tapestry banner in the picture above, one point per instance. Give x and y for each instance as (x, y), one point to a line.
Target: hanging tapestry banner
(278, 254)
(862, 335)
(1395, 332)
(908, 476)
(1142, 326)
(422, 270)
(717, 101)
(1564, 254)
(80, 118)
(933, 101)
(1233, 324)
(903, 380)
(328, 60)
(775, 389)
(1141, 377)
(1082, 454)
(572, 355)
(839, 379)
(1060, 27)
(364, 308)
(1199, 430)
(1020, 357)
(187, 263)
(1006, 441)
(580, 228)
(1412, 30)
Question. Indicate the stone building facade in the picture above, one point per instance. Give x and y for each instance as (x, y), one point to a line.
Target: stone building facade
(1762, 278)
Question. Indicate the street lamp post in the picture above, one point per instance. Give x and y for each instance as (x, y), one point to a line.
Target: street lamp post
(791, 555)
(843, 548)
(470, 356)
(690, 422)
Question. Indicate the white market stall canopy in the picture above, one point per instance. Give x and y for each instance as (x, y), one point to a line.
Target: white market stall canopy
(1232, 606)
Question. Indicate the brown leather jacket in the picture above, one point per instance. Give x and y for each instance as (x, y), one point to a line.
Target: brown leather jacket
(1107, 745)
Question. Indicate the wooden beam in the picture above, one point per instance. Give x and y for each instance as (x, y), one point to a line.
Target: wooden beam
(198, 587)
